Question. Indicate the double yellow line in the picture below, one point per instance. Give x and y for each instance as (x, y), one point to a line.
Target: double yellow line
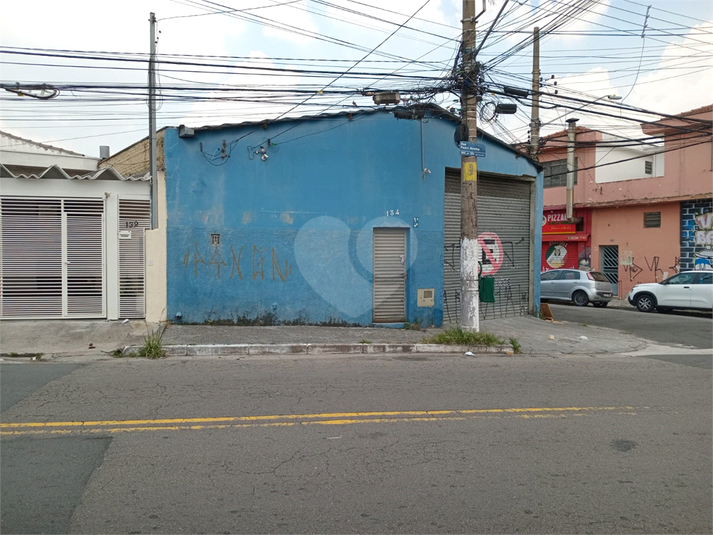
(285, 420)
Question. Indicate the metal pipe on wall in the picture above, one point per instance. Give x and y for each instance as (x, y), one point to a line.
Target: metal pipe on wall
(571, 162)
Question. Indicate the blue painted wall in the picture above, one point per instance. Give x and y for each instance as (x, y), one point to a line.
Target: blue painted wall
(295, 229)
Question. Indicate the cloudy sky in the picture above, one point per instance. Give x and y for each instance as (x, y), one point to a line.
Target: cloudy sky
(230, 61)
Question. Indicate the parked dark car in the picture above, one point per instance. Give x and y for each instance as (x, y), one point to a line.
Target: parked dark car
(576, 285)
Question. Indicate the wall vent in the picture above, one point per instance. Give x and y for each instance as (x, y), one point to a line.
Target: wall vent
(652, 219)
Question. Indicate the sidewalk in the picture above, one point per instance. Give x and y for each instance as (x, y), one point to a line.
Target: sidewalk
(100, 339)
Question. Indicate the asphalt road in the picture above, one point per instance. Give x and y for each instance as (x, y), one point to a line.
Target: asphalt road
(679, 328)
(385, 444)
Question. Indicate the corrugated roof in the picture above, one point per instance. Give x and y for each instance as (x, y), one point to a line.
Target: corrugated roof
(55, 171)
(42, 145)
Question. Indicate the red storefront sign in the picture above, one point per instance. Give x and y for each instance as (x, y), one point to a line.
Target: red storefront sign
(556, 223)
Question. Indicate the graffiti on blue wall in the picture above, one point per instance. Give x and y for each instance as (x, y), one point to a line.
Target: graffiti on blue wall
(279, 272)
(697, 234)
(703, 258)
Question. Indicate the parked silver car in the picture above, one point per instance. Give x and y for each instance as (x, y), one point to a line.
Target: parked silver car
(576, 285)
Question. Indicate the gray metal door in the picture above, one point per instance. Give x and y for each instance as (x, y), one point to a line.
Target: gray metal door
(610, 265)
(389, 275)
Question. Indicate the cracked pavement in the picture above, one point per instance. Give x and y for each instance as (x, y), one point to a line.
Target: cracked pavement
(349, 463)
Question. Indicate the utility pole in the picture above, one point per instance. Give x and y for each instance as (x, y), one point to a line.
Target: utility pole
(535, 118)
(152, 124)
(469, 317)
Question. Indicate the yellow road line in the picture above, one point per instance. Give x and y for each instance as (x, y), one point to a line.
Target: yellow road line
(337, 418)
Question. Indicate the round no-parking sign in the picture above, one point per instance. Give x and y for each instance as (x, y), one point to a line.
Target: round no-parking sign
(491, 256)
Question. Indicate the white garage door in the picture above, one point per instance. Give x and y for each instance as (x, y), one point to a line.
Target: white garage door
(52, 262)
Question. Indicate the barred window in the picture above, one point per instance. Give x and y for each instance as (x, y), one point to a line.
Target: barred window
(556, 173)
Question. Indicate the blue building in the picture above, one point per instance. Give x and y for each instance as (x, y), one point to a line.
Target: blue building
(350, 218)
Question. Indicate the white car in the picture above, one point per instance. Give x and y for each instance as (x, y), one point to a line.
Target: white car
(688, 289)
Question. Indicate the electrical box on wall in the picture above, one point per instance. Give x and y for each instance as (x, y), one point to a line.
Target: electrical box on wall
(425, 297)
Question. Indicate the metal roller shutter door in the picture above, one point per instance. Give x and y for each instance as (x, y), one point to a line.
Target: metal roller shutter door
(451, 248)
(504, 218)
(504, 228)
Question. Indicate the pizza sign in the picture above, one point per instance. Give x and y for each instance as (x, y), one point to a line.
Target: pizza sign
(556, 223)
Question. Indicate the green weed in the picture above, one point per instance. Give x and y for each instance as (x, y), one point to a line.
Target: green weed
(153, 345)
(516, 347)
(457, 336)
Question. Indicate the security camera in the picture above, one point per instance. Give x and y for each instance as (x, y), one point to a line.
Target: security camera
(263, 157)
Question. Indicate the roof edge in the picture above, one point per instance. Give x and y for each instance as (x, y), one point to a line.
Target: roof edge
(434, 109)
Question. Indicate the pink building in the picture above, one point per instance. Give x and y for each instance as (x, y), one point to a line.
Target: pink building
(642, 211)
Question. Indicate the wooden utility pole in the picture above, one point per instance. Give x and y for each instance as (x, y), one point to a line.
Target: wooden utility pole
(469, 316)
(152, 125)
(535, 116)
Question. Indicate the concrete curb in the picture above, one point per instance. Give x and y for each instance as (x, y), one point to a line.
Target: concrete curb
(223, 350)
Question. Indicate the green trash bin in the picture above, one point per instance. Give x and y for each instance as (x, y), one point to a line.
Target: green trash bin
(486, 289)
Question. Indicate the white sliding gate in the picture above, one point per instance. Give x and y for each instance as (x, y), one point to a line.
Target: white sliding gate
(53, 262)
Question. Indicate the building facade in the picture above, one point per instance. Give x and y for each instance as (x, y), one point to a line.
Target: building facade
(344, 219)
(71, 235)
(642, 213)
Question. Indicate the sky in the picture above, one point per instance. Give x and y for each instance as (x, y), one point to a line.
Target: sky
(231, 61)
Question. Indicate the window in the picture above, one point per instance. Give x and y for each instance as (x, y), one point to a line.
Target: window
(649, 167)
(556, 173)
(597, 276)
(652, 219)
(682, 278)
(549, 275)
(705, 278)
(571, 275)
